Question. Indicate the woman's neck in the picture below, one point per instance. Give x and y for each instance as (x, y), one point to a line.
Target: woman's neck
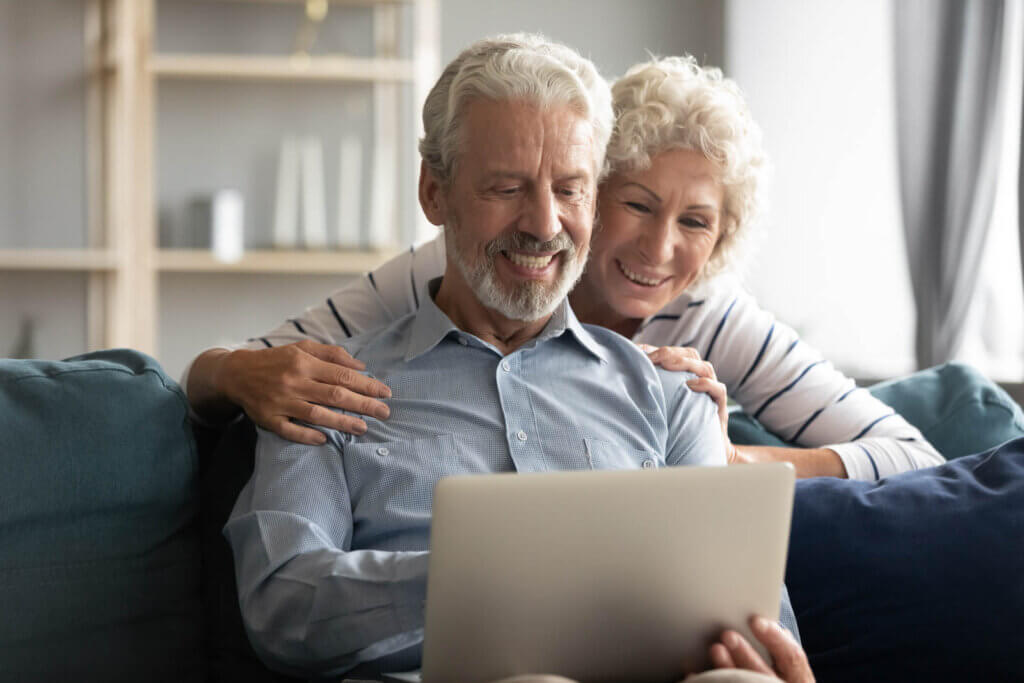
(590, 308)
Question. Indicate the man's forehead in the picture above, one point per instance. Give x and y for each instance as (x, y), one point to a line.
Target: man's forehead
(503, 134)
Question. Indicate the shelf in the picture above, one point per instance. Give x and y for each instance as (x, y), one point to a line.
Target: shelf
(349, 262)
(289, 68)
(357, 3)
(58, 259)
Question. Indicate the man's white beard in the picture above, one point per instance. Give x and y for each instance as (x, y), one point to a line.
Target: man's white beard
(527, 301)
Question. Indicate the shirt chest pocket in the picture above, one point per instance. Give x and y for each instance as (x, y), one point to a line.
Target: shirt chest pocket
(608, 456)
(399, 476)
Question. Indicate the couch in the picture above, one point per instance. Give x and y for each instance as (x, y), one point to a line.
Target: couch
(112, 567)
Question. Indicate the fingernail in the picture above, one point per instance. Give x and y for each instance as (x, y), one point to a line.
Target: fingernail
(320, 439)
(762, 624)
(361, 428)
(385, 392)
(731, 640)
(383, 413)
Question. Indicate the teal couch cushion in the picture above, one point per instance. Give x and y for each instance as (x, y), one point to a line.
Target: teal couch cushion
(99, 547)
(956, 408)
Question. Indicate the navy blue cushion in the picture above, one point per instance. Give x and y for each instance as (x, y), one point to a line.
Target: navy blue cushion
(917, 577)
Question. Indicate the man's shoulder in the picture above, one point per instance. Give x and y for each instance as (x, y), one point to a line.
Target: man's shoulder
(383, 343)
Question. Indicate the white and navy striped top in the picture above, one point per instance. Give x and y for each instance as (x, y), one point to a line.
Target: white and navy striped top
(774, 376)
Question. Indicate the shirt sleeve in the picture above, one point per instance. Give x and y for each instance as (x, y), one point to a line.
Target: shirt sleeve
(790, 388)
(694, 432)
(368, 302)
(310, 604)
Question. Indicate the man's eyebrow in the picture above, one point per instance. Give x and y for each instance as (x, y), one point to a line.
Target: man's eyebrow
(644, 188)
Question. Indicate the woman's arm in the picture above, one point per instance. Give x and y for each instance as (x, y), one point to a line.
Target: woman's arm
(291, 372)
(792, 390)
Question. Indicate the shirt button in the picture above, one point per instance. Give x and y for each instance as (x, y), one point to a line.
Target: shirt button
(462, 340)
(521, 435)
(648, 464)
(382, 451)
(506, 366)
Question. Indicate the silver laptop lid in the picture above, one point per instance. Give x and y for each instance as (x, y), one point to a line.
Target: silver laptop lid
(614, 575)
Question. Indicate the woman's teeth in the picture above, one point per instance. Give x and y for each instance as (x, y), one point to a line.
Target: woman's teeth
(639, 279)
(531, 262)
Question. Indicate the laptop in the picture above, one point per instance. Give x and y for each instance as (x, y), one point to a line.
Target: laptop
(600, 576)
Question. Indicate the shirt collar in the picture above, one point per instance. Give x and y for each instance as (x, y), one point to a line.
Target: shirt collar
(431, 325)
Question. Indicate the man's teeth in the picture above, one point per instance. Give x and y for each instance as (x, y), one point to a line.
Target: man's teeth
(532, 262)
(639, 279)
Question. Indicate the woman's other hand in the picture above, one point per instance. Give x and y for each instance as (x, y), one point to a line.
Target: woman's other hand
(734, 652)
(687, 359)
(295, 382)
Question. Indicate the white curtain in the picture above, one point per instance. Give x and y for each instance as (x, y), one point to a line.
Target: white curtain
(950, 90)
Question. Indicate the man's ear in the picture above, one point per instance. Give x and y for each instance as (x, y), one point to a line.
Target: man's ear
(431, 195)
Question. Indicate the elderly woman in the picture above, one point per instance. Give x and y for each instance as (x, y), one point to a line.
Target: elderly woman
(685, 166)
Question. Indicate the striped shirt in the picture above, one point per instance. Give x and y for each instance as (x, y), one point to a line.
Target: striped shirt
(767, 369)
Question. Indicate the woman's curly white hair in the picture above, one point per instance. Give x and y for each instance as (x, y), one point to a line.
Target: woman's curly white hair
(674, 103)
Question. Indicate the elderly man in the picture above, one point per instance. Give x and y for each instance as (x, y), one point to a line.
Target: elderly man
(492, 373)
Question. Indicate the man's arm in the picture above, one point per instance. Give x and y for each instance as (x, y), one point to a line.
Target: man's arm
(310, 605)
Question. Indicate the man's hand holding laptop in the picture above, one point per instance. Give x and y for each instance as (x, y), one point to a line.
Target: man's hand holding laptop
(733, 651)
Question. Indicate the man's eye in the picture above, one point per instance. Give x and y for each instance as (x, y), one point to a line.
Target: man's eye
(637, 206)
(506, 190)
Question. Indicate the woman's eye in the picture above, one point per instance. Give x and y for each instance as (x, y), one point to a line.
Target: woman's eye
(693, 222)
(637, 206)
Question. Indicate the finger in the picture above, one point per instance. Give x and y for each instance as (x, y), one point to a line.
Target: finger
(350, 379)
(293, 432)
(332, 354)
(743, 654)
(790, 659)
(336, 396)
(670, 360)
(325, 417)
(720, 657)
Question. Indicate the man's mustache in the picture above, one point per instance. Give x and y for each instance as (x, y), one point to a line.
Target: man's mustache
(521, 241)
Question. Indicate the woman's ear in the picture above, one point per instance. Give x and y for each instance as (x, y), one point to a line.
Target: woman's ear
(431, 193)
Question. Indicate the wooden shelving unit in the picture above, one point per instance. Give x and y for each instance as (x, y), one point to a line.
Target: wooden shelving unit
(123, 262)
(85, 260)
(273, 261)
(230, 67)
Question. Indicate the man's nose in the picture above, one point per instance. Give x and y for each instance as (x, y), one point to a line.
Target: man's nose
(541, 218)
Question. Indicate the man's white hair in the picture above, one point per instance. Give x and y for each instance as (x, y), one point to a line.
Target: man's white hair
(519, 66)
(674, 103)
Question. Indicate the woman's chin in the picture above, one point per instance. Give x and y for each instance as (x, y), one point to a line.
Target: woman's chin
(633, 308)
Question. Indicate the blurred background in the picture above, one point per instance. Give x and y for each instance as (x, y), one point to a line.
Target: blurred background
(176, 174)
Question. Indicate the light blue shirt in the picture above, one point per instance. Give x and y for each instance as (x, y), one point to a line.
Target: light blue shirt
(330, 542)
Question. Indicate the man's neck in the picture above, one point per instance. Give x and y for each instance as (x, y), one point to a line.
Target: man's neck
(456, 300)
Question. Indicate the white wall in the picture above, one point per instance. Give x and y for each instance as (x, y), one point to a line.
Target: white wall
(830, 258)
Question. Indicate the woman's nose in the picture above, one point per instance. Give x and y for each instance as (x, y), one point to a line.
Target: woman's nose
(657, 245)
